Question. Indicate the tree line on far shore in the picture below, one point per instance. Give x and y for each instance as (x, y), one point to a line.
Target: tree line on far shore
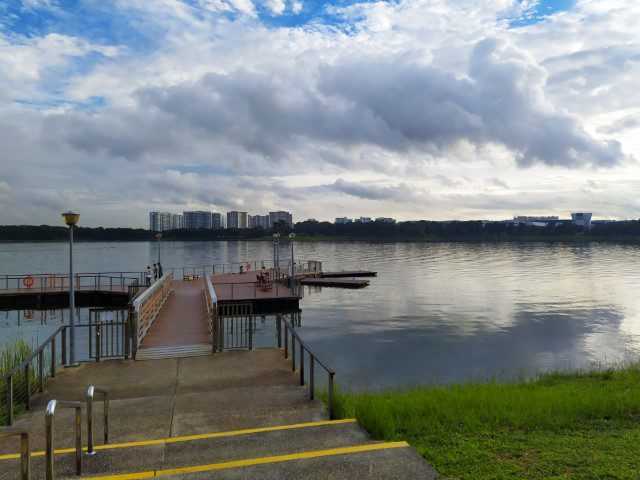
(421, 229)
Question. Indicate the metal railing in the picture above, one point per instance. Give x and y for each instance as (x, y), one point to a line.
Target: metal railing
(53, 282)
(249, 290)
(105, 409)
(313, 359)
(25, 447)
(234, 267)
(146, 307)
(27, 378)
(48, 419)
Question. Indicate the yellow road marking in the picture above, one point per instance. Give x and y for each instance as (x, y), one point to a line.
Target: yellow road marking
(254, 461)
(192, 437)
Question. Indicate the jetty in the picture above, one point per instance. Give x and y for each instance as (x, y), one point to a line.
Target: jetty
(335, 282)
(185, 393)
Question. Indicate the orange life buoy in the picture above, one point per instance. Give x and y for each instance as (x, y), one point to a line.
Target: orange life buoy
(248, 265)
(29, 313)
(28, 281)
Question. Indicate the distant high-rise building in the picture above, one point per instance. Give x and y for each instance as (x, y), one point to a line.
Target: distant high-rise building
(197, 219)
(386, 219)
(162, 221)
(582, 218)
(237, 219)
(342, 220)
(363, 220)
(280, 216)
(260, 221)
(217, 220)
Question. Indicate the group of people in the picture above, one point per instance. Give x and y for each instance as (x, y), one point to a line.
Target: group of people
(155, 274)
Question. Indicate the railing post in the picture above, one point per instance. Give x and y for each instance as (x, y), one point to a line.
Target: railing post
(279, 327)
(331, 374)
(286, 342)
(301, 364)
(232, 291)
(25, 457)
(312, 382)
(293, 352)
(53, 357)
(10, 400)
(250, 332)
(41, 370)
(64, 346)
(27, 381)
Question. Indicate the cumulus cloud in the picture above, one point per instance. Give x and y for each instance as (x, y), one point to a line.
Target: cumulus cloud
(394, 108)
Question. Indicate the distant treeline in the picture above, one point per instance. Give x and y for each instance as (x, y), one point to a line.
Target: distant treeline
(383, 230)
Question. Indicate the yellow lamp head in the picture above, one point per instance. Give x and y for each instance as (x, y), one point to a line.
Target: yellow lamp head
(70, 218)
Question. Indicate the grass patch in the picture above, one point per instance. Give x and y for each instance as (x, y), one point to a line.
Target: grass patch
(13, 354)
(560, 425)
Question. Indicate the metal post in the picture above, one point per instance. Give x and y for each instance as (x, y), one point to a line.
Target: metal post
(301, 364)
(64, 346)
(331, 374)
(293, 352)
(72, 304)
(293, 263)
(312, 382)
(250, 318)
(41, 370)
(25, 456)
(53, 358)
(10, 400)
(27, 381)
(279, 327)
(286, 342)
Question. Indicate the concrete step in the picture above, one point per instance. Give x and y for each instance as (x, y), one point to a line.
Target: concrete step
(178, 351)
(265, 453)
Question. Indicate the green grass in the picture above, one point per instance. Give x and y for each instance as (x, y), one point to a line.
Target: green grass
(11, 355)
(561, 425)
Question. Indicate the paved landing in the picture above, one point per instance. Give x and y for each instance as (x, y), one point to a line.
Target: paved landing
(183, 320)
(229, 415)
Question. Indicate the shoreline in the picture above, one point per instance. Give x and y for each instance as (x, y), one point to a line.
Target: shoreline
(570, 424)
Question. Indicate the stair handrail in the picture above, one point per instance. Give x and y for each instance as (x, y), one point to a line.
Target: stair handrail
(48, 421)
(25, 448)
(105, 399)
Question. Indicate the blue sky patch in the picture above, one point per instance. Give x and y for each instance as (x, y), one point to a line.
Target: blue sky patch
(540, 11)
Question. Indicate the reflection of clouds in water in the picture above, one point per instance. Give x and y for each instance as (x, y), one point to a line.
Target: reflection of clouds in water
(539, 337)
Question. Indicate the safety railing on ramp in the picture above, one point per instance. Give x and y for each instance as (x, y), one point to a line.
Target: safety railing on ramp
(146, 307)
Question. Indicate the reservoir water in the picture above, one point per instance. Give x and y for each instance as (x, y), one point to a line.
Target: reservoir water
(436, 311)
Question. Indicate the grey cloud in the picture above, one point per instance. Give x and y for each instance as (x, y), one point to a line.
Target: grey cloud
(399, 193)
(496, 182)
(621, 125)
(393, 105)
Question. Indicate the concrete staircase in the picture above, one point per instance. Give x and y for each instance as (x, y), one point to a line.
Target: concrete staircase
(230, 415)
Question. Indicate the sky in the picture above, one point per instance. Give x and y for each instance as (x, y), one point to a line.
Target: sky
(413, 109)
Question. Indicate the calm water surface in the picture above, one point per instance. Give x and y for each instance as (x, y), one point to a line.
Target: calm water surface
(443, 311)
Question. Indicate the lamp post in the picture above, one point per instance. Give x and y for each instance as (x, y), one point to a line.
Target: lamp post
(71, 219)
(276, 252)
(292, 236)
(158, 236)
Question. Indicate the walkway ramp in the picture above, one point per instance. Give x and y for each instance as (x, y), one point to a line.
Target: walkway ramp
(181, 328)
(236, 414)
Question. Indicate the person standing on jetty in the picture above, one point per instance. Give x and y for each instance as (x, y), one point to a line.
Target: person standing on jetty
(148, 276)
(155, 272)
(159, 270)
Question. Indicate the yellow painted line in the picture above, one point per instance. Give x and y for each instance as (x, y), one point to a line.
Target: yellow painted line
(190, 438)
(255, 461)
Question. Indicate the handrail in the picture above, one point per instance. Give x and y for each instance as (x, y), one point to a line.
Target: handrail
(105, 398)
(48, 419)
(313, 358)
(25, 366)
(25, 448)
